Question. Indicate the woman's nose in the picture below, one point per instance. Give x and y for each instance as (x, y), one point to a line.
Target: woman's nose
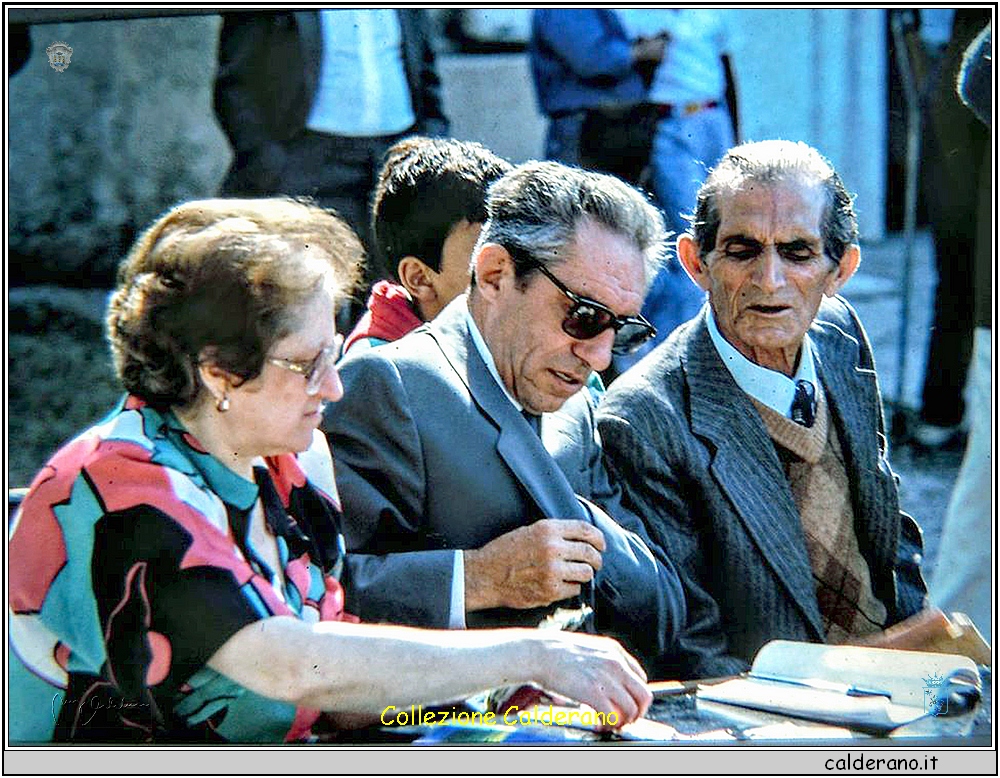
(331, 387)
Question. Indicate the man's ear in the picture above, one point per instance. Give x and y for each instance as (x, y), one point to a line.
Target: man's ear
(689, 253)
(845, 269)
(417, 278)
(494, 268)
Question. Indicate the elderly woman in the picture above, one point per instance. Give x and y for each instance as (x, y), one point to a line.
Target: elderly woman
(175, 570)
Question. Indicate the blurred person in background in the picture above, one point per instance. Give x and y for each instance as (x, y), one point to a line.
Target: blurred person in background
(583, 62)
(956, 149)
(311, 101)
(962, 577)
(693, 99)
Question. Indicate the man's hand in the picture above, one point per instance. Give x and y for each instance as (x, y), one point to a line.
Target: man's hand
(932, 630)
(650, 50)
(533, 566)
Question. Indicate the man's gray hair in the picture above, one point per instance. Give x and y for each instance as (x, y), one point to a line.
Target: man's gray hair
(770, 162)
(535, 211)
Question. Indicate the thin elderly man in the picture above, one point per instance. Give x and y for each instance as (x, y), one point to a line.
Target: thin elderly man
(455, 459)
(752, 442)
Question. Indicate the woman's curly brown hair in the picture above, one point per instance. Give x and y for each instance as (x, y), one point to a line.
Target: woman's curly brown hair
(221, 279)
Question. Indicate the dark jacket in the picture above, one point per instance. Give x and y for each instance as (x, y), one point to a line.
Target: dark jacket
(269, 69)
(697, 463)
(582, 58)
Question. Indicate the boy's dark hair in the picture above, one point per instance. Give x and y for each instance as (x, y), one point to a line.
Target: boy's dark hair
(427, 186)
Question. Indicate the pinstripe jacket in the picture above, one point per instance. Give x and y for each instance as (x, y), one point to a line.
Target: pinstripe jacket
(697, 464)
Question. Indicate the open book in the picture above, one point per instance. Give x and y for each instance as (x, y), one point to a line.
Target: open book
(873, 690)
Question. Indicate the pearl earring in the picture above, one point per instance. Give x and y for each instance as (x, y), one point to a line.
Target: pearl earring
(223, 405)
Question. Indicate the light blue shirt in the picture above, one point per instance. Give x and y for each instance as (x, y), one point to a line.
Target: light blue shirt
(691, 69)
(935, 25)
(773, 389)
(362, 89)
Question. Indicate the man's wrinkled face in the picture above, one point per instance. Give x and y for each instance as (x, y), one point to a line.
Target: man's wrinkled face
(767, 274)
(540, 364)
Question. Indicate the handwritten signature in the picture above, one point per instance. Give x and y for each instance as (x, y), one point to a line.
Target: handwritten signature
(95, 703)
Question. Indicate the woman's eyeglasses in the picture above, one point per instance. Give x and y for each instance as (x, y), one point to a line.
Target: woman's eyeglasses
(316, 369)
(588, 318)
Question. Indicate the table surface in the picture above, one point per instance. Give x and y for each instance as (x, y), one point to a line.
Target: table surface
(731, 724)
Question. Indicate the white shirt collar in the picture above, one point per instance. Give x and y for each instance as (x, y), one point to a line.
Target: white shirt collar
(484, 352)
(774, 389)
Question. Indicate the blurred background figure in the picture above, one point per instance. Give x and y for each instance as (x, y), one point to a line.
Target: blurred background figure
(955, 148)
(962, 577)
(311, 101)
(583, 60)
(693, 95)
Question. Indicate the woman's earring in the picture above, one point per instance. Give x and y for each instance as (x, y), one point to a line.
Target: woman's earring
(223, 405)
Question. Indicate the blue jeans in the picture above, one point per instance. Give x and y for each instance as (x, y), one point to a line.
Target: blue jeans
(562, 143)
(684, 149)
(672, 299)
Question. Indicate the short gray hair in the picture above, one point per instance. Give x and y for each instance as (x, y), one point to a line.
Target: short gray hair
(770, 162)
(535, 211)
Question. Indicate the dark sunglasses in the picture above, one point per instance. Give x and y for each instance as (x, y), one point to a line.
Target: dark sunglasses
(588, 318)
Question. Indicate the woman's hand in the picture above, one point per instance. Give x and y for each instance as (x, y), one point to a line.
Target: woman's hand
(593, 670)
(362, 668)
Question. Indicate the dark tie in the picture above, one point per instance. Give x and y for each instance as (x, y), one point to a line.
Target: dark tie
(802, 406)
(534, 421)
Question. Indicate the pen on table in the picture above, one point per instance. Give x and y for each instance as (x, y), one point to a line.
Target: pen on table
(849, 689)
(670, 688)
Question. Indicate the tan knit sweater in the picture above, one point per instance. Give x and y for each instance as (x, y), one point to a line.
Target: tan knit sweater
(814, 466)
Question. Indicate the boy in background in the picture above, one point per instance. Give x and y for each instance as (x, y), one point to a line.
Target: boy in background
(429, 205)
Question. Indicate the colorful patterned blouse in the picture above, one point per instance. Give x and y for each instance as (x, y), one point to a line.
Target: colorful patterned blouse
(130, 565)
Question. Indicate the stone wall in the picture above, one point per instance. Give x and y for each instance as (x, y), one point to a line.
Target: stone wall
(490, 98)
(98, 150)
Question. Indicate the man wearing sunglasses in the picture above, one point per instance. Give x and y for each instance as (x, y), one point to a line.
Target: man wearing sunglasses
(752, 440)
(468, 461)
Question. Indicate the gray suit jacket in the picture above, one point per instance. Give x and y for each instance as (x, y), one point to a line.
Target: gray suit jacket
(697, 463)
(431, 456)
